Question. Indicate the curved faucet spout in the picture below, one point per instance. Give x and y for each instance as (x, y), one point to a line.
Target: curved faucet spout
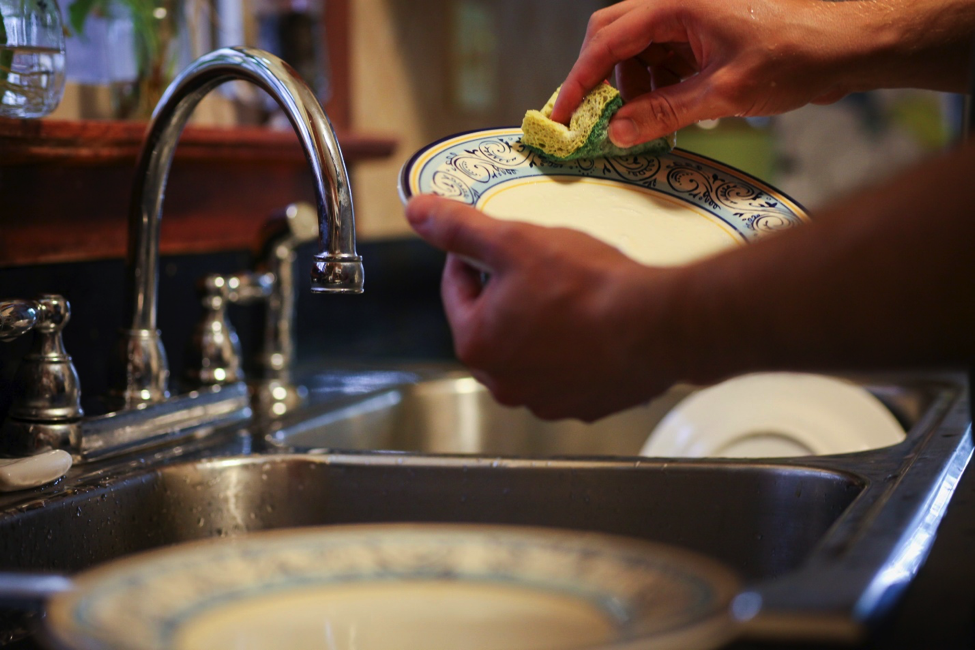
(337, 268)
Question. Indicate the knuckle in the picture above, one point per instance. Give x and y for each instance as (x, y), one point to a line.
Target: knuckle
(661, 113)
(606, 49)
(597, 21)
(732, 93)
(471, 346)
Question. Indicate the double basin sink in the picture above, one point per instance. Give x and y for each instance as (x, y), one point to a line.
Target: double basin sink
(822, 544)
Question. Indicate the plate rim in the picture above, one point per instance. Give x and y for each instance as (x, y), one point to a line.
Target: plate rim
(774, 379)
(406, 191)
(726, 582)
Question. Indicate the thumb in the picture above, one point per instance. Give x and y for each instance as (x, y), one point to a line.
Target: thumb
(457, 228)
(661, 112)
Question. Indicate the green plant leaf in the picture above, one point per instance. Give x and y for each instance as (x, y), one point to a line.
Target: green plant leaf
(79, 11)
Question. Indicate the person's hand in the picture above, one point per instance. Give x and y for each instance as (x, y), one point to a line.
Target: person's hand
(566, 325)
(681, 61)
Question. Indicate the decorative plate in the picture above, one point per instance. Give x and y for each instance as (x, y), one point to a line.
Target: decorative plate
(660, 211)
(403, 587)
(766, 415)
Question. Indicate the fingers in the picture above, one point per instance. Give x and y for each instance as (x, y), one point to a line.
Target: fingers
(663, 111)
(459, 289)
(657, 66)
(458, 228)
(621, 39)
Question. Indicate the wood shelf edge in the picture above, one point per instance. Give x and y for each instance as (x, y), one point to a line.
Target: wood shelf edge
(105, 141)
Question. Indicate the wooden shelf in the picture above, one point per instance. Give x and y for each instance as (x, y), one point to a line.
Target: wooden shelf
(66, 187)
(108, 142)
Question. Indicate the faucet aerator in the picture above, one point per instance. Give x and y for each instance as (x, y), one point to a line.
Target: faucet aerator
(337, 274)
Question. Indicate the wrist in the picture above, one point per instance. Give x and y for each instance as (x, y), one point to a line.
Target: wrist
(702, 319)
(674, 340)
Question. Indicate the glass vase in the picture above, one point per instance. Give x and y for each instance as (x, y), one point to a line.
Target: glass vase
(31, 57)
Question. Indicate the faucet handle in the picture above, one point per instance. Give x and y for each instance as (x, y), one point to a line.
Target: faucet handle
(17, 317)
(302, 222)
(245, 288)
(47, 393)
(215, 356)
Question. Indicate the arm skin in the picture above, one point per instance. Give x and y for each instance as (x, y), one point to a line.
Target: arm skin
(681, 61)
(571, 328)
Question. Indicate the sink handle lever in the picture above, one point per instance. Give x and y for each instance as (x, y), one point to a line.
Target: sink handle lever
(17, 317)
(46, 396)
(27, 590)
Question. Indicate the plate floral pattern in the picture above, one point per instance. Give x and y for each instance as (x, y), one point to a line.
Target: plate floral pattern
(647, 590)
(466, 166)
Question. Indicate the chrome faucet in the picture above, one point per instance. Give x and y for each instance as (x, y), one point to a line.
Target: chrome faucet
(215, 357)
(337, 268)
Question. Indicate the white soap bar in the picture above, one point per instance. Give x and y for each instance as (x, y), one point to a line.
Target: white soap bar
(32, 471)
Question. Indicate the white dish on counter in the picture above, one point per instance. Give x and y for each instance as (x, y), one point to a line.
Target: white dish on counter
(660, 211)
(768, 415)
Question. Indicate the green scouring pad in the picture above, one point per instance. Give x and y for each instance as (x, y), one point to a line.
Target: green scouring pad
(587, 135)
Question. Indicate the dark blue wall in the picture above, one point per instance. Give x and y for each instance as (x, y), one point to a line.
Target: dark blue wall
(399, 317)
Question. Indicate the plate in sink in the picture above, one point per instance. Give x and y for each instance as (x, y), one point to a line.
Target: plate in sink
(766, 415)
(663, 210)
(402, 586)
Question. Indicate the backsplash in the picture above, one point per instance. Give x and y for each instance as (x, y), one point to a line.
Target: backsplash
(399, 317)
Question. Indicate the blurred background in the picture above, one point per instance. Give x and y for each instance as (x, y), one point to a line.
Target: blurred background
(419, 70)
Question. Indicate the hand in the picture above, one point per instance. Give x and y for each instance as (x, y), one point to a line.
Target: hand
(681, 61)
(566, 325)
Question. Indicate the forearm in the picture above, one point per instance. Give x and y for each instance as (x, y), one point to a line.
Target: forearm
(871, 44)
(885, 280)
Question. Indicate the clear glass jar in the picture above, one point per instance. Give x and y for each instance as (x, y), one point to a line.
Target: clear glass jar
(31, 57)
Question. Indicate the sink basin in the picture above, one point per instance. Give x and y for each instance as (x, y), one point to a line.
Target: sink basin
(454, 414)
(824, 544)
(760, 520)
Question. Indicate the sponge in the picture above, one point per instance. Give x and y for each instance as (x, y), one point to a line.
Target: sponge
(587, 135)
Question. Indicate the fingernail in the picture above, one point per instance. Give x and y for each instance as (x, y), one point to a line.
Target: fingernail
(622, 132)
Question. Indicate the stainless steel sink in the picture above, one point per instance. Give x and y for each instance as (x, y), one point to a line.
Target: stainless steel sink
(824, 544)
(451, 413)
(761, 520)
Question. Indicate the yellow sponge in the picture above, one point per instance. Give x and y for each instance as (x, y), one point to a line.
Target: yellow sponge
(587, 135)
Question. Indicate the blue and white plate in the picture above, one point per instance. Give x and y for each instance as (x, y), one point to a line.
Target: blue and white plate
(660, 211)
(402, 586)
